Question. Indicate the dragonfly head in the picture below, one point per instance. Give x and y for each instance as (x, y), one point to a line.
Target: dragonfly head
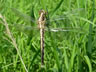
(42, 11)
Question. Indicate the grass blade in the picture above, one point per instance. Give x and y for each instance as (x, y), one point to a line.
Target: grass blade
(43, 3)
(72, 60)
(34, 57)
(89, 49)
(57, 7)
(87, 60)
(66, 59)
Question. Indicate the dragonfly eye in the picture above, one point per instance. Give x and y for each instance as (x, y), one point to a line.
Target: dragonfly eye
(42, 11)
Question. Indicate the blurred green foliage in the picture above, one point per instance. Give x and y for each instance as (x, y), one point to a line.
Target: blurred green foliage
(67, 51)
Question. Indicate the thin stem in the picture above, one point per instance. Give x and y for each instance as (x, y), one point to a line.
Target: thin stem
(13, 40)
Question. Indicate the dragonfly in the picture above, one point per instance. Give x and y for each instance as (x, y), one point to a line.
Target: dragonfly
(41, 26)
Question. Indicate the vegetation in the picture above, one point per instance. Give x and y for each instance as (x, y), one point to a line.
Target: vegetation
(73, 50)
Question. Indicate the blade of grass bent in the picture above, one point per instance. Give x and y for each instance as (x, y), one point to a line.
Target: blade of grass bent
(57, 7)
(87, 60)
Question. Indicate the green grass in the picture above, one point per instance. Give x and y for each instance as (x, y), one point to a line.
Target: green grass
(71, 51)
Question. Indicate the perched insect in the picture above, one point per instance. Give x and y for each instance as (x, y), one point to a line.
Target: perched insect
(42, 21)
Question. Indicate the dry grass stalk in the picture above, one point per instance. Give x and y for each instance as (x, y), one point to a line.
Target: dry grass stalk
(12, 39)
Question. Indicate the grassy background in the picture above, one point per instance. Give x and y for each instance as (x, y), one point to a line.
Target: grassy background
(71, 51)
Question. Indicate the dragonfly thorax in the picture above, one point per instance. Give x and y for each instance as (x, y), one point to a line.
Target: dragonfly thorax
(42, 18)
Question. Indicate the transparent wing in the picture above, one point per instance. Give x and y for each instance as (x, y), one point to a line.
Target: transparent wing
(26, 28)
(55, 18)
(23, 16)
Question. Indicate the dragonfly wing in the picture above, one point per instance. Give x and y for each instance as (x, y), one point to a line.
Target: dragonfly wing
(61, 17)
(66, 29)
(56, 30)
(22, 15)
(24, 28)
